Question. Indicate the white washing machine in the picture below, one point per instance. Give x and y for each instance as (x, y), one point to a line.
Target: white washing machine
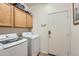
(12, 45)
(33, 43)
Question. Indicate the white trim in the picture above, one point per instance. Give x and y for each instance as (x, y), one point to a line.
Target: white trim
(69, 31)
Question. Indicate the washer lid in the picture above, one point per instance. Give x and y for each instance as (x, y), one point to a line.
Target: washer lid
(31, 36)
(13, 43)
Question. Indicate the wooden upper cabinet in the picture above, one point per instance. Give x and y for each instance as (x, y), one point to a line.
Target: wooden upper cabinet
(29, 20)
(13, 16)
(20, 18)
(5, 15)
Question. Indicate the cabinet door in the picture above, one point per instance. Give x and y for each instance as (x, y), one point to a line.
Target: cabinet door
(20, 18)
(29, 20)
(5, 15)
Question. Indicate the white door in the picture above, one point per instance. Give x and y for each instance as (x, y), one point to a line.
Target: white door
(58, 26)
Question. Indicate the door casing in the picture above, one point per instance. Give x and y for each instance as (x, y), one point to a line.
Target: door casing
(68, 34)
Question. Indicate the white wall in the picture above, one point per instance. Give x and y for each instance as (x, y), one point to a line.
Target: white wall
(40, 16)
(74, 39)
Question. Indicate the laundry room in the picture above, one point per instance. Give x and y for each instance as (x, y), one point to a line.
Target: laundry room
(39, 29)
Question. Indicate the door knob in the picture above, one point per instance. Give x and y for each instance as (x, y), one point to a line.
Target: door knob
(49, 32)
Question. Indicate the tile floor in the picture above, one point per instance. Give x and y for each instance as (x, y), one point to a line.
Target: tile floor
(43, 54)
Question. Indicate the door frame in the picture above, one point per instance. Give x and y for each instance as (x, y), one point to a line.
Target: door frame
(69, 31)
